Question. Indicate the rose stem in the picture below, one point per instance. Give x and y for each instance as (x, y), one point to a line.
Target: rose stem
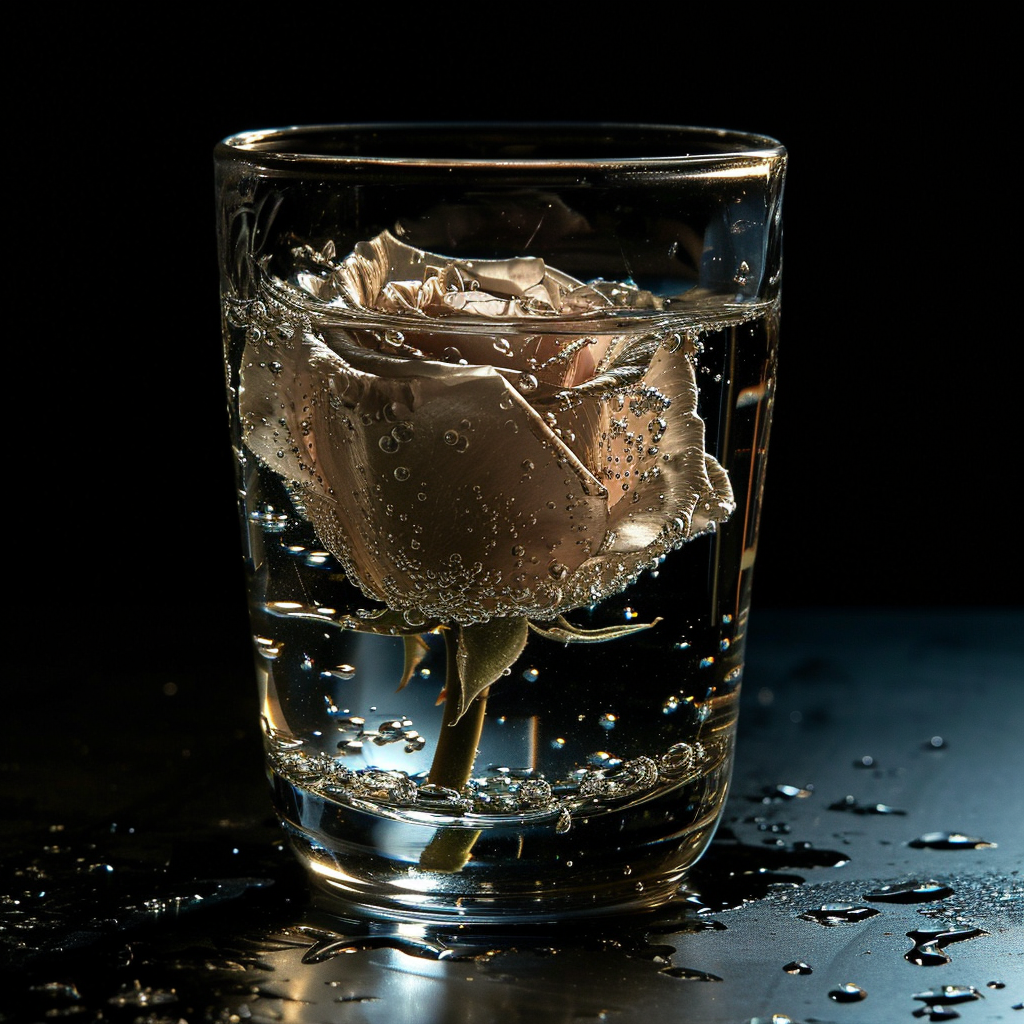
(454, 756)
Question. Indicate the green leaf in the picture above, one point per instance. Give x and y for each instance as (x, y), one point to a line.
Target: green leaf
(565, 632)
(484, 652)
(416, 650)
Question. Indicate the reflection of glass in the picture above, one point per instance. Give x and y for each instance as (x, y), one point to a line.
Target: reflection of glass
(501, 401)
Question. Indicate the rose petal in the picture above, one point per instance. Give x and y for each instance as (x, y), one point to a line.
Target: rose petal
(646, 444)
(438, 487)
(661, 448)
(387, 275)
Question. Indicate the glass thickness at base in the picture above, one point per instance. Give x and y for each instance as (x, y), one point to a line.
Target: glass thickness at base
(624, 860)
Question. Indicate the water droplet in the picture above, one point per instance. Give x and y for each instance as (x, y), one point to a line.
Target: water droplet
(909, 892)
(608, 720)
(518, 551)
(563, 822)
(949, 841)
(558, 571)
(531, 675)
(136, 995)
(502, 346)
(996, 984)
(936, 743)
(527, 382)
(849, 803)
(451, 355)
(395, 338)
(867, 761)
(797, 967)
(789, 792)
(928, 944)
(831, 914)
(528, 466)
(847, 993)
(945, 995)
(689, 974)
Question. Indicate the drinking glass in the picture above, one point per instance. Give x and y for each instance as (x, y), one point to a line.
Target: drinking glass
(500, 398)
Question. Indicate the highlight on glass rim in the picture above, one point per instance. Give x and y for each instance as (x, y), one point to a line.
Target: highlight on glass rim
(500, 398)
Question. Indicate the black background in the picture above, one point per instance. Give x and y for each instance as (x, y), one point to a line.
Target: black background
(893, 474)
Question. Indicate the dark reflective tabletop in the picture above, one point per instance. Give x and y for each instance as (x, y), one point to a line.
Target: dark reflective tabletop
(868, 868)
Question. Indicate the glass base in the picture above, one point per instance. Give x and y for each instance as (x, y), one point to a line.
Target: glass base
(352, 881)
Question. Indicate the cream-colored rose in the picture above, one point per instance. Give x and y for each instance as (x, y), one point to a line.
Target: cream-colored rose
(459, 473)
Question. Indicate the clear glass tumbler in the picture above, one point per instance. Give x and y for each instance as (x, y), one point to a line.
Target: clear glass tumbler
(500, 399)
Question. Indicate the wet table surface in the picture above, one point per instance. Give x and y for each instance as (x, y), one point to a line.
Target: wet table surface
(868, 868)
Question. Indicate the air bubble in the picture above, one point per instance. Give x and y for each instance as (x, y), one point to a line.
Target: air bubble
(401, 473)
(451, 437)
(388, 444)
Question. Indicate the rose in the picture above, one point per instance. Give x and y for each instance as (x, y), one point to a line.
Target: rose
(465, 474)
(483, 445)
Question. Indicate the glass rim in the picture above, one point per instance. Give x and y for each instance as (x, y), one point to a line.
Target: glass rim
(289, 145)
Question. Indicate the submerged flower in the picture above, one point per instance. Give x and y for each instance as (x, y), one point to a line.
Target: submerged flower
(476, 439)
